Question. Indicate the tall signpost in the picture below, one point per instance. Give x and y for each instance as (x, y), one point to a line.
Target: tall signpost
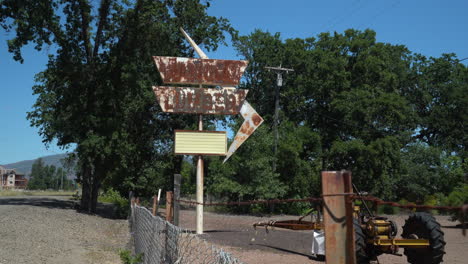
(202, 101)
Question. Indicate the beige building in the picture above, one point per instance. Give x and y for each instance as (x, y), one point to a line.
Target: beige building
(10, 179)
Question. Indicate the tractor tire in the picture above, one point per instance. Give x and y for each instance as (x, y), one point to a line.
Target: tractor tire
(424, 226)
(360, 244)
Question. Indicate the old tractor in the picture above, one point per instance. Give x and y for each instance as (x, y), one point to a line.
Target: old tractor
(421, 238)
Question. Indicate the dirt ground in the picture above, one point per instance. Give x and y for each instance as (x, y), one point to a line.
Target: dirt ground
(47, 230)
(40, 230)
(236, 235)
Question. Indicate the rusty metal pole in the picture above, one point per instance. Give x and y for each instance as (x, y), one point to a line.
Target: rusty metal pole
(169, 206)
(177, 183)
(338, 217)
(199, 221)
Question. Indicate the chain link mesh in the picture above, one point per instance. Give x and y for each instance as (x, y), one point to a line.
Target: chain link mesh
(161, 242)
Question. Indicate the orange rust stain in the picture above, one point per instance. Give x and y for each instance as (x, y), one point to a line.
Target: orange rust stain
(245, 128)
(256, 119)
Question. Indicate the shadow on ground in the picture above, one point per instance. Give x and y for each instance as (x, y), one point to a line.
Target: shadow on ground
(103, 210)
(279, 241)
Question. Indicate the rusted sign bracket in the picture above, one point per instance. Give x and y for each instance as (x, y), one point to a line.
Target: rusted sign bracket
(338, 217)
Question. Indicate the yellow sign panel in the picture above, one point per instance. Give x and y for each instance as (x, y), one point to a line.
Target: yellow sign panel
(200, 142)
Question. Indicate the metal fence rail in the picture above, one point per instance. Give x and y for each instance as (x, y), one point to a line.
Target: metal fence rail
(161, 242)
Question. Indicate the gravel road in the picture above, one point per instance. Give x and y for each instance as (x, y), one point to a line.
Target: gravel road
(235, 234)
(37, 230)
(40, 230)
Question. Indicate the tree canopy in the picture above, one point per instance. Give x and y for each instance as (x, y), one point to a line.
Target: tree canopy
(395, 118)
(44, 177)
(96, 90)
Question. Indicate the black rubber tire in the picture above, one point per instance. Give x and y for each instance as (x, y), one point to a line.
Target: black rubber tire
(360, 244)
(424, 226)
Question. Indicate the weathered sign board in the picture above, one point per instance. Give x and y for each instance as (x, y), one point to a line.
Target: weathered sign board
(178, 70)
(252, 120)
(200, 100)
(189, 142)
(189, 100)
(224, 101)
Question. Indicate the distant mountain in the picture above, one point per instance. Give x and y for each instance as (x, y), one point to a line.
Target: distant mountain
(26, 165)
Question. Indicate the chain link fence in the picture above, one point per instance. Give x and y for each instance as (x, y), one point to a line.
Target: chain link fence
(161, 242)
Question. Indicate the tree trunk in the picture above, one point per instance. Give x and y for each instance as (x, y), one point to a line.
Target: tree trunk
(95, 192)
(90, 192)
(86, 188)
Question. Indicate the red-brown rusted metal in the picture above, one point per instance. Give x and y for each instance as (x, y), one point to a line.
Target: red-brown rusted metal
(227, 101)
(291, 224)
(252, 120)
(200, 71)
(338, 217)
(273, 201)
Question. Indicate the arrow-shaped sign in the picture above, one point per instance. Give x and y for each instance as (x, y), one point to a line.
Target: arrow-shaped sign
(228, 100)
(252, 120)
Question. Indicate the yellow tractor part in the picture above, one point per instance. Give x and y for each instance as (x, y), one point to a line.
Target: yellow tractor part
(400, 242)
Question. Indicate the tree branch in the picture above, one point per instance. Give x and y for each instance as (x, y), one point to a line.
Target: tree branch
(85, 20)
(103, 13)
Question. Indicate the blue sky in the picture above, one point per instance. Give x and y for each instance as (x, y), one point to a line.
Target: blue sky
(428, 27)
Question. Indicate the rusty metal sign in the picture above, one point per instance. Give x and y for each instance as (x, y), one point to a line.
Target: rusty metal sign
(338, 217)
(252, 120)
(200, 71)
(200, 100)
(226, 101)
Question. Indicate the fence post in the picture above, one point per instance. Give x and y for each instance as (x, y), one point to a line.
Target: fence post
(156, 200)
(169, 209)
(177, 181)
(338, 217)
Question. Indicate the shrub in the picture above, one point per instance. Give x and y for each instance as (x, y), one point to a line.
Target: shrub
(388, 210)
(458, 197)
(122, 205)
(127, 258)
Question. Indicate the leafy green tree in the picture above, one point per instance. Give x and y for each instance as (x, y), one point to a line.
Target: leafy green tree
(45, 177)
(345, 88)
(96, 91)
(439, 94)
(248, 174)
(36, 181)
(367, 102)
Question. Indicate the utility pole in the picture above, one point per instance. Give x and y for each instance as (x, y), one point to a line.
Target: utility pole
(279, 82)
(61, 183)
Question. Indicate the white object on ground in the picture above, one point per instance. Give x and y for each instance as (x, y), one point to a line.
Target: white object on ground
(318, 242)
